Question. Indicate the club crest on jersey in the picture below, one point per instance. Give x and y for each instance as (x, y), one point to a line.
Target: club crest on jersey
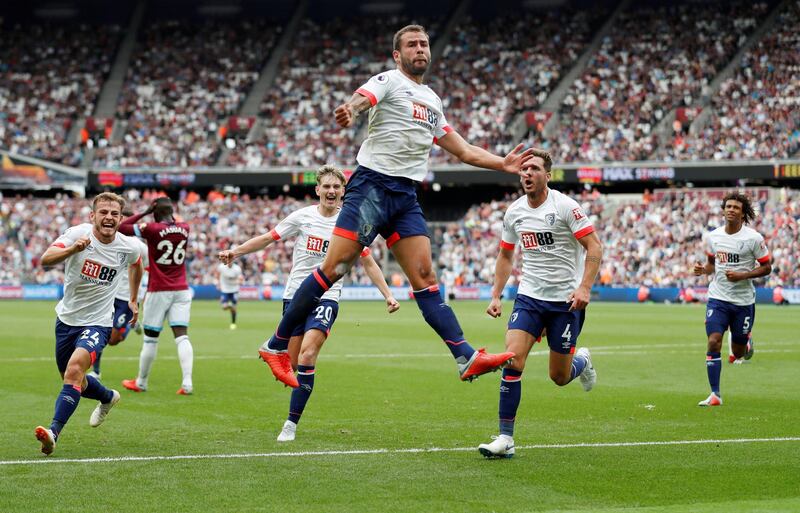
(551, 219)
(422, 115)
(710, 312)
(317, 245)
(122, 257)
(514, 316)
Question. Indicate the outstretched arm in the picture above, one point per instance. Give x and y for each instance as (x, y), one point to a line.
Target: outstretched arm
(502, 271)
(376, 275)
(514, 162)
(251, 246)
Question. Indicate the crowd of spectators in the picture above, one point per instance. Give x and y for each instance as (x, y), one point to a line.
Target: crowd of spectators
(756, 113)
(325, 64)
(185, 78)
(658, 57)
(493, 69)
(652, 241)
(50, 76)
(29, 225)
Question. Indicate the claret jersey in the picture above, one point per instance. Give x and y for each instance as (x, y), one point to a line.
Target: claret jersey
(166, 245)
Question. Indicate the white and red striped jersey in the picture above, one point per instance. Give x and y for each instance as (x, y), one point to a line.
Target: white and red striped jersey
(552, 257)
(405, 120)
(92, 276)
(735, 252)
(314, 232)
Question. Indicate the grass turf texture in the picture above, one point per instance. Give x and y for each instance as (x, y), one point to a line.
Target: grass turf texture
(385, 382)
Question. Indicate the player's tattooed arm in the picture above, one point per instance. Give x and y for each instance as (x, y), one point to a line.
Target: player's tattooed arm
(56, 254)
(347, 113)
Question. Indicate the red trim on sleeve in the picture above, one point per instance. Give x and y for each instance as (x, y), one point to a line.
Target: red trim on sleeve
(764, 259)
(347, 234)
(446, 129)
(709, 254)
(370, 96)
(275, 234)
(507, 245)
(365, 252)
(138, 260)
(58, 245)
(392, 240)
(584, 232)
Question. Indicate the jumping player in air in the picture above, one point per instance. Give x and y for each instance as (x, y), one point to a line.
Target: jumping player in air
(168, 295)
(405, 118)
(561, 256)
(313, 227)
(95, 258)
(736, 255)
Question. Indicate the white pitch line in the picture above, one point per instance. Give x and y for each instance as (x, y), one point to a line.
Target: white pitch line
(359, 452)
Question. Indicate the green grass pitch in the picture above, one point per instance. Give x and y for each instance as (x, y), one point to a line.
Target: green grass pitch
(390, 428)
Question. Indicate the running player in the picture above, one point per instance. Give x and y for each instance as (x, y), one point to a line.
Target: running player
(168, 295)
(406, 118)
(95, 257)
(122, 313)
(229, 280)
(313, 227)
(561, 256)
(736, 255)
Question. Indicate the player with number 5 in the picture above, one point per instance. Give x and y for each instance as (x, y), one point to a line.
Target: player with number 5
(168, 295)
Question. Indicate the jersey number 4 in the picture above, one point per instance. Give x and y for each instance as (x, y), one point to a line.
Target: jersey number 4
(171, 254)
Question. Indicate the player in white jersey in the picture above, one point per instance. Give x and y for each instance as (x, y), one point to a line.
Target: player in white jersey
(122, 312)
(406, 118)
(313, 227)
(736, 255)
(561, 255)
(95, 256)
(229, 278)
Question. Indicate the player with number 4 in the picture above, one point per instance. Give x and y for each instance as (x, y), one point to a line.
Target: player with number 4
(168, 295)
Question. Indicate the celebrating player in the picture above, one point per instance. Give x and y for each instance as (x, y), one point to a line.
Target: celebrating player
(95, 257)
(405, 119)
(313, 225)
(122, 313)
(229, 280)
(561, 255)
(168, 294)
(736, 255)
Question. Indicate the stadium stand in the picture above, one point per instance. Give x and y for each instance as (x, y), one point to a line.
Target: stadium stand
(652, 240)
(50, 76)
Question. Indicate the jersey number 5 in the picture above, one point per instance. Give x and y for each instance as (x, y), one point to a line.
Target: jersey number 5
(169, 257)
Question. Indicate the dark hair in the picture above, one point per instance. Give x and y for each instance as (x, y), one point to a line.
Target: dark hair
(548, 160)
(744, 199)
(407, 28)
(163, 208)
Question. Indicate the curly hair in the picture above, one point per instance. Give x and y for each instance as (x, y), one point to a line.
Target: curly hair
(747, 205)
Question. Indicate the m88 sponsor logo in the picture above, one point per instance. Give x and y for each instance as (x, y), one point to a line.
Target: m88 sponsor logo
(727, 258)
(97, 272)
(535, 240)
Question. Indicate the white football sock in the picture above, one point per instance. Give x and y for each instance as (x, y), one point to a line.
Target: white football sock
(186, 357)
(146, 359)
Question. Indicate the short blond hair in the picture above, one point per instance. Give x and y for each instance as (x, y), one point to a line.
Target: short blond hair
(330, 169)
(108, 196)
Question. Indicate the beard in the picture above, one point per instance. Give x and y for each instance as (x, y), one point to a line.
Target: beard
(413, 69)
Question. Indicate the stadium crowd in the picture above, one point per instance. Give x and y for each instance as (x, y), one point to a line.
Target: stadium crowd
(756, 113)
(651, 240)
(643, 69)
(50, 76)
(184, 80)
(491, 70)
